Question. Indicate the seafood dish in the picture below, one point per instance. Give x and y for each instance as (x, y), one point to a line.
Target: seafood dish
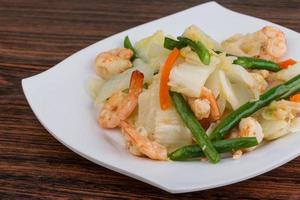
(193, 98)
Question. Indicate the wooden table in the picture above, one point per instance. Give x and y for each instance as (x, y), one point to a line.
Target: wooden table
(34, 36)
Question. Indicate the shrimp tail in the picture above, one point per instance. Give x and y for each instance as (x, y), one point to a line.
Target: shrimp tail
(135, 88)
(215, 113)
(149, 148)
(120, 105)
(136, 83)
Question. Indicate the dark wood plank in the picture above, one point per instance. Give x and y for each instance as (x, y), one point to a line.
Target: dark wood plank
(34, 36)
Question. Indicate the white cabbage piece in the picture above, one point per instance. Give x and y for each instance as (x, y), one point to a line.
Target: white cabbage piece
(244, 45)
(189, 79)
(238, 74)
(288, 73)
(165, 127)
(252, 82)
(93, 85)
(246, 85)
(250, 86)
(281, 110)
(227, 90)
(121, 81)
(233, 82)
(225, 62)
(213, 83)
(157, 57)
(147, 47)
(152, 51)
(274, 129)
(243, 93)
(170, 130)
(196, 34)
(280, 118)
(148, 105)
(221, 104)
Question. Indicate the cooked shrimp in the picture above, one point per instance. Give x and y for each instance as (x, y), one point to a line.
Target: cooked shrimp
(249, 127)
(215, 111)
(200, 107)
(113, 62)
(274, 45)
(108, 117)
(132, 148)
(264, 73)
(120, 105)
(268, 43)
(149, 148)
(260, 84)
(205, 107)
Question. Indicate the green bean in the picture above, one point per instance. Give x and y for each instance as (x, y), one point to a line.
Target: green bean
(222, 146)
(128, 45)
(276, 93)
(170, 44)
(192, 123)
(198, 47)
(255, 63)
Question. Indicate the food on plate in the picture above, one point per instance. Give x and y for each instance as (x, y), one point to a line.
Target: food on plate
(190, 97)
(120, 105)
(268, 43)
(113, 62)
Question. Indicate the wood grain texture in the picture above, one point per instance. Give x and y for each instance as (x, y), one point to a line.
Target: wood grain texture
(34, 36)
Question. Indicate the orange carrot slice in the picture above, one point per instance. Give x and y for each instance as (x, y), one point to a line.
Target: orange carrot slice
(286, 63)
(164, 97)
(295, 98)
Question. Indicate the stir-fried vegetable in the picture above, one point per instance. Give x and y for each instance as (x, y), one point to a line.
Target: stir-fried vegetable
(279, 118)
(287, 73)
(196, 46)
(295, 98)
(192, 123)
(128, 45)
(165, 126)
(196, 34)
(121, 81)
(227, 90)
(274, 128)
(189, 79)
(276, 93)
(195, 95)
(286, 63)
(165, 72)
(255, 63)
(170, 44)
(222, 146)
(145, 47)
(199, 48)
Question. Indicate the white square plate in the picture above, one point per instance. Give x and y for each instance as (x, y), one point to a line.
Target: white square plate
(59, 99)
